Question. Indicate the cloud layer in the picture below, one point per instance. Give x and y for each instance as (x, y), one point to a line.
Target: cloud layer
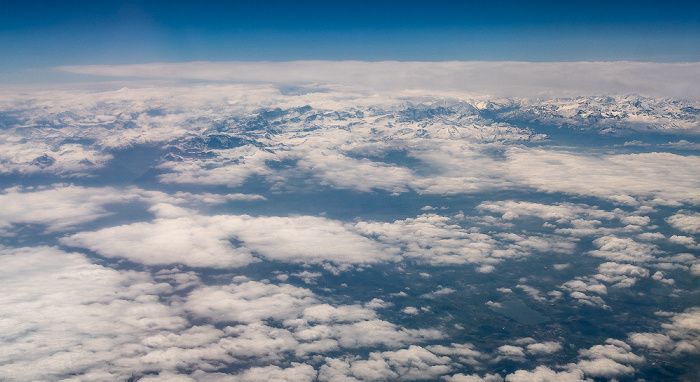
(498, 78)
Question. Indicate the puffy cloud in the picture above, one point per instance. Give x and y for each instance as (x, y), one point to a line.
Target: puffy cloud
(653, 341)
(194, 241)
(689, 223)
(249, 302)
(603, 367)
(515, 353)
(102, 315)
(623, 275)
(325, 313)
(209, 198)
(308, 239)
(577, 290)
(358, 174)
(308, 324)
(587, 285)
(560, 212)
(441, 291)
(61, 207)
(615, 350)
(473, 378)
(684, 240)
(547, 347)
(545, 374)
(465, 353)
(229, 167)
(608, 361)
(205, 241)
(663, 178)
(413, 363)
(296, 372)
(624, 250)
(684, 329)
(439, 240)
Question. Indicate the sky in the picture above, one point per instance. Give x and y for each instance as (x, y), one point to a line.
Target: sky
(43, 34)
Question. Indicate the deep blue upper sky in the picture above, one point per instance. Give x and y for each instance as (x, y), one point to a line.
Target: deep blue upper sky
(41, 34)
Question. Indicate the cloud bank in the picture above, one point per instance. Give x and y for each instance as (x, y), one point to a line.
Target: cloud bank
(497, 78)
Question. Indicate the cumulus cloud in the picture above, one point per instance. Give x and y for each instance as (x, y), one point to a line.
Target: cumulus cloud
(194, 241)
(663, 178)
(680, 334)
(689, 223)
(580, 288)
(412, 363)
(623, 275)
(545, 374)
(653, 341)
(608, 361)
(473, 378)
(511, 352)
(296, 372)
(61, 207)
(206, 241)
(548, 347)
(249, 302)
(624, 250)
(102, 315)
(439, 240)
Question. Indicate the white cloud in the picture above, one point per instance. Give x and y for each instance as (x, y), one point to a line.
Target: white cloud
(547, 347)
(684, 240)
(505, 78)
(195, 241)
(579, 287)
(60, 207)
(465, 353)
(560, 212)
(608, 361)
(623, 275)
(602, 367)
(662, 178)
(441, 291)
(533, 292)
(515, 353)
(296, 372)
(205, 241)
(439, 240)
(359, 174)
(102, 316)
(413, 363)
(19, 156)
(624, 250)
(653, 341)
(585, 285)
(683, 329)
(249, 302)
(229, 167)
(545, 374)
(689, 223)
(473, 378)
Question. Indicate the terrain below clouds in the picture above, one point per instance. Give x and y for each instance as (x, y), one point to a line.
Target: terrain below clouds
(312, 227)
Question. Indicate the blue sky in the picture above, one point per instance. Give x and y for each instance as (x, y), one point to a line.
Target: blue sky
(42, 34)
